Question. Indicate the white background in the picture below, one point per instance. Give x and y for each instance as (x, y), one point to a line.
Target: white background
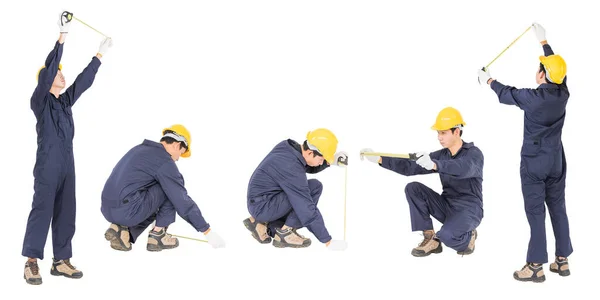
(244, 75)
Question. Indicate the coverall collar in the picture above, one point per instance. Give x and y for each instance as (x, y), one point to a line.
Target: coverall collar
(150, 143)
(296, 146)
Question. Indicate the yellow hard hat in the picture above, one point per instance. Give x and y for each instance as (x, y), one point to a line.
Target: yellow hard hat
(37, 76)
(325, 142)
(556, 67)
(181, 135)
(448, 118)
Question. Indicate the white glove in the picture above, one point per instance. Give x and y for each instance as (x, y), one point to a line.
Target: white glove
(484, 76)
(540, 32)
(106, 43)
(64, 22)
(424, 160)
(373, 159)
(336, 245)
(340, 159)
(215, 240)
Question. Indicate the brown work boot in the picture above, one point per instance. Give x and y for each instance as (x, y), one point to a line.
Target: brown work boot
(560, 266)
(430, 244)
(530, 272)
(259, 231)
(118, 236)
(471, 247)
(32, 273)
(159, 240)
(290, 238)
(64, 267)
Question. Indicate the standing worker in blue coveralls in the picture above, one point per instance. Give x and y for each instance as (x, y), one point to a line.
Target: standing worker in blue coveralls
(460, 206)
(146, 186)
(543, 163)
(281, 199)
(54, 171)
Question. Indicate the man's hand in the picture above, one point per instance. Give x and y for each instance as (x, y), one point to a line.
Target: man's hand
(64, 21)
(340, 159)
(540, 32)
(425, 161)
(484, 76)
(106, 43)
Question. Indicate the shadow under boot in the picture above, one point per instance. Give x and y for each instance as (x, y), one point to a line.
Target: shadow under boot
(160, 240)
(119, 237)
(530, 272)
(560, 266)
(289, 238)
(430, 244)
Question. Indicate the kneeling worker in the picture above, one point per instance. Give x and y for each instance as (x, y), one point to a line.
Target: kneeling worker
(460, 206)
(281, 199)
(146, 186)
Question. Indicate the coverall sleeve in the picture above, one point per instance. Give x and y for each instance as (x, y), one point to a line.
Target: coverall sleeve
(523, 98)
(407, 167)
(83, 82)
(315, 170)
(46, 78)
(294, 183)
(173, 185)
(468, 166)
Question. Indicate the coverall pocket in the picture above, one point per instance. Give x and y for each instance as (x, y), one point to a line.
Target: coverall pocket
(530, 149)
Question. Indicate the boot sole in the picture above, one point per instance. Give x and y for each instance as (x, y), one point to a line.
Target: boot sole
(57, 273)
(115, 241)
(32, 282)
(437, 250)
(252, 229)
(279, 244)
(531, 279)
(561, 273)
(158, 248)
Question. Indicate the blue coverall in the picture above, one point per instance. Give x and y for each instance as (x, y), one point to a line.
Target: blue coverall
(460, 206)
(279, 191)
(54, 171)
(145, 186)
(543, 163)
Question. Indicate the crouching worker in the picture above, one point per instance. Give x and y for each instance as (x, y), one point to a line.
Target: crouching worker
(281, 199)
(460, 206)
(146, 186)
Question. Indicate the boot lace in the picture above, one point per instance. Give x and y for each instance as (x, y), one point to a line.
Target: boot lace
(35, 269)
(68, 263)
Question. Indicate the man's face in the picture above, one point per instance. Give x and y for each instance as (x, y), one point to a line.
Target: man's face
(447, 138)
(313, 161)
(59, 80)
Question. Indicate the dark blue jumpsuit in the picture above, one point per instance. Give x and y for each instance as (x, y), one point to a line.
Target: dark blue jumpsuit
(460, 206)
(145, 186)
(280, 193)
(543, 163)
(54, 171)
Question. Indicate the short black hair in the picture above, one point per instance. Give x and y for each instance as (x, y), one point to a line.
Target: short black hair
(453, 129)
(170, 140)
(315, 152)
(543, 70)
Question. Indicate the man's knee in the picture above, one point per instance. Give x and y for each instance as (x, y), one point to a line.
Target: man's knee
(413, 188)
(315, 186)
(451, 238)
